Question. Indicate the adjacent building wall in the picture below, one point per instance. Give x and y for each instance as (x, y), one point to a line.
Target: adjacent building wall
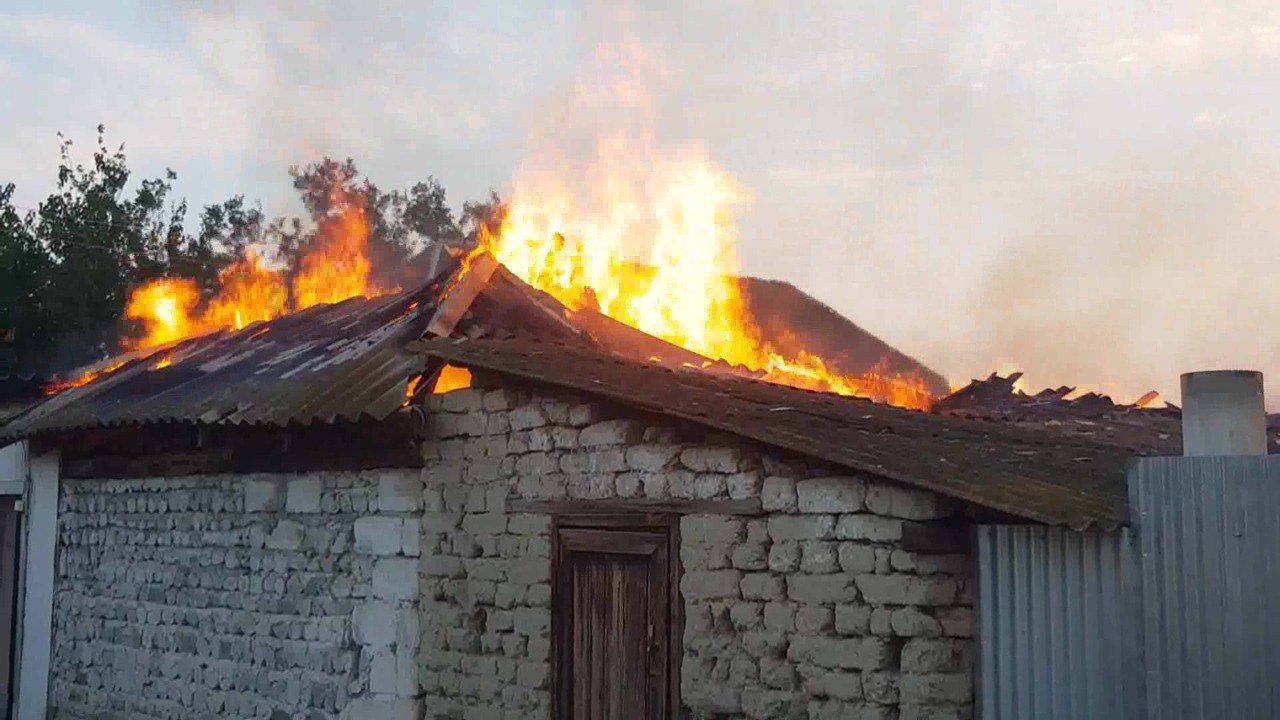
(270, 596)
(810, 610)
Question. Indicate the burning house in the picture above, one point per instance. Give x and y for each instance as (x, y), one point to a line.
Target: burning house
(469, 500)
(541, 484)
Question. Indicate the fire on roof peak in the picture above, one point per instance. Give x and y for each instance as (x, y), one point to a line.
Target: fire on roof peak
(678, 311)
(649, 241)
(334, 269)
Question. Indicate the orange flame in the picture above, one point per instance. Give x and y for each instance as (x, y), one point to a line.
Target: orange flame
(412, 389)
(250, 292)
(678, 215)
(451, 378)
(56, 387)
(336, 268)
(165, 307)
(1148, 400)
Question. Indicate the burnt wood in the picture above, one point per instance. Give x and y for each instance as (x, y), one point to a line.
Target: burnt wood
(508, 307)
(625, 507)
(616, 622)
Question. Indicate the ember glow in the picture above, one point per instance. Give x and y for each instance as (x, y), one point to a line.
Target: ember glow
(56, 387)
(336, 268)
(654, 248)
(451, 378)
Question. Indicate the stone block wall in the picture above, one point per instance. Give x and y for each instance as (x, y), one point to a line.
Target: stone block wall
(812, 610)
(270, 596)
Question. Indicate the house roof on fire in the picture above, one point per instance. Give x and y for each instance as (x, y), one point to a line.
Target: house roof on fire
(1024, 472)
(793, 321)
(357, 359)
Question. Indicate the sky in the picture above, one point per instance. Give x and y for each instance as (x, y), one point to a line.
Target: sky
(1083, 191)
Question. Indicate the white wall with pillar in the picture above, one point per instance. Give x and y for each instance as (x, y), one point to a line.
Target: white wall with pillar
(13, 469)
(29, 485)
(13, 484)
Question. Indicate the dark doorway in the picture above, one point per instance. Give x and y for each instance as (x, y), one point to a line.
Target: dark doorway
(10, 519)
(616, 618)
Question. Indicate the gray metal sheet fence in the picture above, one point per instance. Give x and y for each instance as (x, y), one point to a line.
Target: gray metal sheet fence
(1058, 624)
(1209, 533)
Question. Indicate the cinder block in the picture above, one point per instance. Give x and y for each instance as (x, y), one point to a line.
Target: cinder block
(263, 495)
(379, 535)
(303, 495)
(400, 491)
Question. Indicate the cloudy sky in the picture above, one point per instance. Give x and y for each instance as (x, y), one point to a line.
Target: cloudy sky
(1086, 191)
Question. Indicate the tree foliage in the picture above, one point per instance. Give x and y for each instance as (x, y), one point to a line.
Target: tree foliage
(67, 265)
(401, 222)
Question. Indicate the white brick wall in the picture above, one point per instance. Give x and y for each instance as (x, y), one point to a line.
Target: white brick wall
(812, 611)
(399, 594)
(274, 596)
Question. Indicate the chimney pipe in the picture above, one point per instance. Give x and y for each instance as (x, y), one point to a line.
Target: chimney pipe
(1223, 413)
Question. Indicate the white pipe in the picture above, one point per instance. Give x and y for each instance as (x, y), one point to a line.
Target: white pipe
(1223, 413)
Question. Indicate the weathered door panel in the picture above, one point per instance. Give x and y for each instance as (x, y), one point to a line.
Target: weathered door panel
(613, 624)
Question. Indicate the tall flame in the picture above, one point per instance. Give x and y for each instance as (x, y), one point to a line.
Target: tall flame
(335, 268)
(165, 307)
(249, 291)
(676, 214)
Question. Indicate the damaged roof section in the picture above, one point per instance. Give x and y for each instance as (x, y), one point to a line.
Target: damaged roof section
(329, 362)
(1088, 417)
(1040, 457)
(1025, 473)
(321, 364)
(795, 322)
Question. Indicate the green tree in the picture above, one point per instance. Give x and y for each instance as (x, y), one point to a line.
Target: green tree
(425, 212)
(484, 216)
(228, 230)
(401, 222)
(68, 264)
(24, 274)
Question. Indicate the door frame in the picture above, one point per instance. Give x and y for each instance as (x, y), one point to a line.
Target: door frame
(666, 523)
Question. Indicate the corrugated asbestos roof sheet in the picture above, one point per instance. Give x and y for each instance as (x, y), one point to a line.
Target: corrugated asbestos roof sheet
(793, 321)
(355, 359)
(328, 362)
(1022, 472)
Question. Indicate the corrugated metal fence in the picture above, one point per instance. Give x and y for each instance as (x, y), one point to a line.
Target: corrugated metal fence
(1209, 533)
(1174, 617)
(1054, 643)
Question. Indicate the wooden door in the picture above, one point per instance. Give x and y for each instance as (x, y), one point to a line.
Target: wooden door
(9, 521)
(615, 645)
